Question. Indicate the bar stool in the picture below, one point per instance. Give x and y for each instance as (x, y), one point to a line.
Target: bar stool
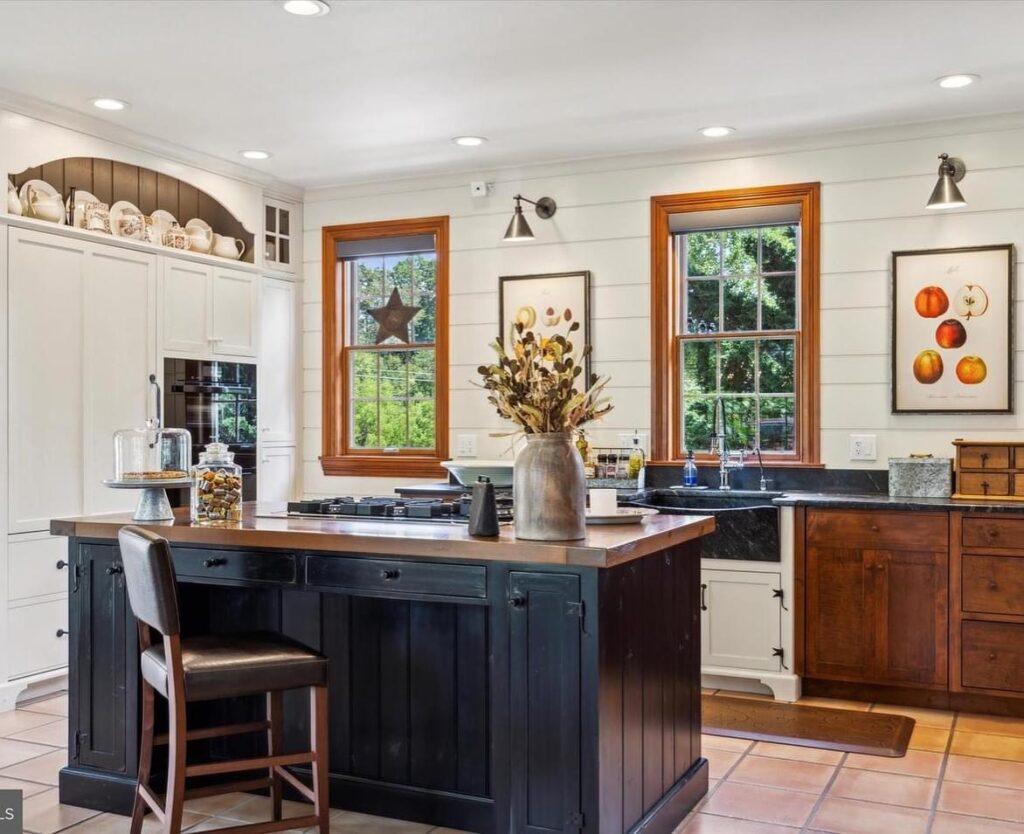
(206, 668)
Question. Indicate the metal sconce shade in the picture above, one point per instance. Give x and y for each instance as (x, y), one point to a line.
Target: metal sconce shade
(946, 194)
(518, 228)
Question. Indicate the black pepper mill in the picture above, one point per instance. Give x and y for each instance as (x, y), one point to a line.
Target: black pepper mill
(483, 510)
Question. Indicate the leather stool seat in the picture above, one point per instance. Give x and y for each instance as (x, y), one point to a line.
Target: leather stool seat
(239, 664)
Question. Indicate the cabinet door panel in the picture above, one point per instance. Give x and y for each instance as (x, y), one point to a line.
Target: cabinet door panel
(912, 618)
(45, 384)
(41, 637)
(545, 700)
(840, 613)
(276, 482)
(278, 353)
(119, 356)
(740, 619)
(185, 298)
(235, 312)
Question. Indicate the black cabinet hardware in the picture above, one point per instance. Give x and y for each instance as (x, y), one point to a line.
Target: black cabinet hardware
(61, 564)
(62, 632)
(115, 568)
(214, 562)
(517, 601)
(390, 574)
(780, 653)
(780, 595)
(703, 597)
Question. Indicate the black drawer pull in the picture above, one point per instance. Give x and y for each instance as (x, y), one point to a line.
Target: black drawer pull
(62, 633)
(390, 574)
(517, 601)
(214, 562)
(115, 568)
(703, 597)
(61, 564)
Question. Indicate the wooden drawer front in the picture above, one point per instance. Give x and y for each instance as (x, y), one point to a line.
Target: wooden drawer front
(398, 575)
(32, 567)
(984, 457)
(993, 656)
(993, 584)
(993, 532)
(984, 484)
(35, 644)
(234, 564)
(880, 530)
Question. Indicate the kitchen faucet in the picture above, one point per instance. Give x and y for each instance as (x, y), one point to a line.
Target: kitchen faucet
(720, 447)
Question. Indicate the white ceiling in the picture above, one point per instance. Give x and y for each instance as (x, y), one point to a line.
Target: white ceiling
(375, 90)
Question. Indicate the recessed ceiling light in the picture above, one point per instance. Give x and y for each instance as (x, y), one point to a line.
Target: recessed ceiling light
(716, 131)
(256, 154)
(109, 103)
(306, 8)
(955, 82)
(469, 141)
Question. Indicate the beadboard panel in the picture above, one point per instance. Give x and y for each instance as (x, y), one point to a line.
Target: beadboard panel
(873, 195)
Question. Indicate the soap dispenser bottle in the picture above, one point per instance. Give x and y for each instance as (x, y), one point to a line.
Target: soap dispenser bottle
(483, 509)
(690, 471)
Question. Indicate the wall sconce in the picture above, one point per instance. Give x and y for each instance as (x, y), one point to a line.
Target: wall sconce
(946, 194)
(518, 228)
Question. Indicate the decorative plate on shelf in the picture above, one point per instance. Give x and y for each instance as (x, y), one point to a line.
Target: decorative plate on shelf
(126, 220)
(81, 199)
(163, 221)
(42, 201)
(624, 515)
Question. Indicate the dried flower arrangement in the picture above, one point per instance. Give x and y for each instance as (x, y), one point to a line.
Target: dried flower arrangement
(535, 382)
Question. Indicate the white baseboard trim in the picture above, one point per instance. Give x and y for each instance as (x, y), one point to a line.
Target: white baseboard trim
(29, 688)
(780, 685)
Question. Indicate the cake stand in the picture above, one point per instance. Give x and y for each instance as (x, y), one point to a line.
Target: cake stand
(153, 504)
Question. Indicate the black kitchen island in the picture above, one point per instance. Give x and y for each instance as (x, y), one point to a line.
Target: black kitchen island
(490, 685)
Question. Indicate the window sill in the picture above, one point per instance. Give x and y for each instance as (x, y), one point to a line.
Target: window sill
(405, 466)
(769, 463)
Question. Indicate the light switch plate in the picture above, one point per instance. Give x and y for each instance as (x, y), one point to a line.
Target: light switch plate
(465, 446)
(863, 447)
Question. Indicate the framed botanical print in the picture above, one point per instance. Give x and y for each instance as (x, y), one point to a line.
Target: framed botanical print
(547, 304)
(952, 330)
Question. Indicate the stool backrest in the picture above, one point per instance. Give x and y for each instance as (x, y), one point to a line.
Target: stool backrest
(149, 577)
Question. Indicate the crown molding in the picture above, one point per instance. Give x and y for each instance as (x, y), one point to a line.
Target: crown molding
(64, 117)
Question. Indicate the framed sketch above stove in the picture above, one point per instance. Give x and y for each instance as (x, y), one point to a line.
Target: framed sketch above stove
(547, 304)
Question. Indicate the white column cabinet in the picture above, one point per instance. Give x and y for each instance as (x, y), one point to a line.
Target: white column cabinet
(741, 621)
(208, 311)
(278, 391)
(277, 474)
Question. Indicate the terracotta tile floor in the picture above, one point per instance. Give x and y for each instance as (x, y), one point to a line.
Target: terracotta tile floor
(965, 775)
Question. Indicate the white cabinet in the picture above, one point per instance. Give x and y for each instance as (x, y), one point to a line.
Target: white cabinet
(741, 624)
(278, 392)
(208, 311)
(39, 637)
(279, 235)
(277, 474)
(36, 566)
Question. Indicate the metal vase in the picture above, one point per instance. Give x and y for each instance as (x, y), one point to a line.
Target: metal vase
(549, 489)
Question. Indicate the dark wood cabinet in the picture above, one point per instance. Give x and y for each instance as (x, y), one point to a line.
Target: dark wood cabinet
(876, 597)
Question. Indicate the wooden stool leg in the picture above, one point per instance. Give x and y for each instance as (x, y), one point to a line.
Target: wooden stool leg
(145, 756)
(319, 745)
(275, 712)
(177, 738)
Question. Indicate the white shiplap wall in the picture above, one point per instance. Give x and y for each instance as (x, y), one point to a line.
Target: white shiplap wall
(873, 194)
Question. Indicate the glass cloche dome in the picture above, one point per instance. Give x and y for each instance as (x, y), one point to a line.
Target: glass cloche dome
(152, 454)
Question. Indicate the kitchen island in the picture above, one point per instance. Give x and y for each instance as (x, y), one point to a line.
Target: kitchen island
(490, 685)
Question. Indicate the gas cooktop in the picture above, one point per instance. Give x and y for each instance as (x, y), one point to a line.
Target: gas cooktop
(398, 510)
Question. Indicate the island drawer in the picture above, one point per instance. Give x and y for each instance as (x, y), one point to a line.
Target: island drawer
(880, 529)
(993, 656)
(251, 566)
(993, 584)
(398, 575)
(993, 532)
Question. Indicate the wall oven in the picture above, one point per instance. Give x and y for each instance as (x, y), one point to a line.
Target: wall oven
(214, 401)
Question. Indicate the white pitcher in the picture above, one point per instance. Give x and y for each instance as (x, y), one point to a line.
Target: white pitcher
(228, 247)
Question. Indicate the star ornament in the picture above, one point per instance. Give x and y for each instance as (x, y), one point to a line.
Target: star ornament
(393, 319)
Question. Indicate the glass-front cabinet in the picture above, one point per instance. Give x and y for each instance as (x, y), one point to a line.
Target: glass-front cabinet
(278, 234)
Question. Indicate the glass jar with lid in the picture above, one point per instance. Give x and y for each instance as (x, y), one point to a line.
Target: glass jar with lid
(216, 486)
(152, 454)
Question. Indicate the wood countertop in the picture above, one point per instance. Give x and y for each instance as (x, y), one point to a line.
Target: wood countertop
(604, 546)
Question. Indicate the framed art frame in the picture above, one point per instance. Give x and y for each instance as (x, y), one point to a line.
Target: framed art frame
(952, 330)
(541, 303)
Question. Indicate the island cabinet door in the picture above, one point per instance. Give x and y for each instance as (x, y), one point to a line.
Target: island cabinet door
(103, 651)
(544, 694)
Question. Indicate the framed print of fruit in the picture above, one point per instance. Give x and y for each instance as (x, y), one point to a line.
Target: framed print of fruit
(952, 330)
(546, 303)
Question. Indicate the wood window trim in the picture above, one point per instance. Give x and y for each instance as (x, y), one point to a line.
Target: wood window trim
(665, 403)
(337, 457)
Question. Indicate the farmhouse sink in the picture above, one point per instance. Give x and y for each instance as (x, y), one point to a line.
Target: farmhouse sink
(747, 521)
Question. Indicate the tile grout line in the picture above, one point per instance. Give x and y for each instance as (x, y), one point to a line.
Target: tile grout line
(824, 792)
(933, 810)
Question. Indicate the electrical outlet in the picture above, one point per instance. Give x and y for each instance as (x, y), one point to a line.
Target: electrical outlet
(626, 440)
(465, 446)
(862, 447)
(478, 189)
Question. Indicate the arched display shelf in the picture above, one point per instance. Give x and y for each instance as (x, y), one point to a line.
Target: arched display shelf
(111, 181)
